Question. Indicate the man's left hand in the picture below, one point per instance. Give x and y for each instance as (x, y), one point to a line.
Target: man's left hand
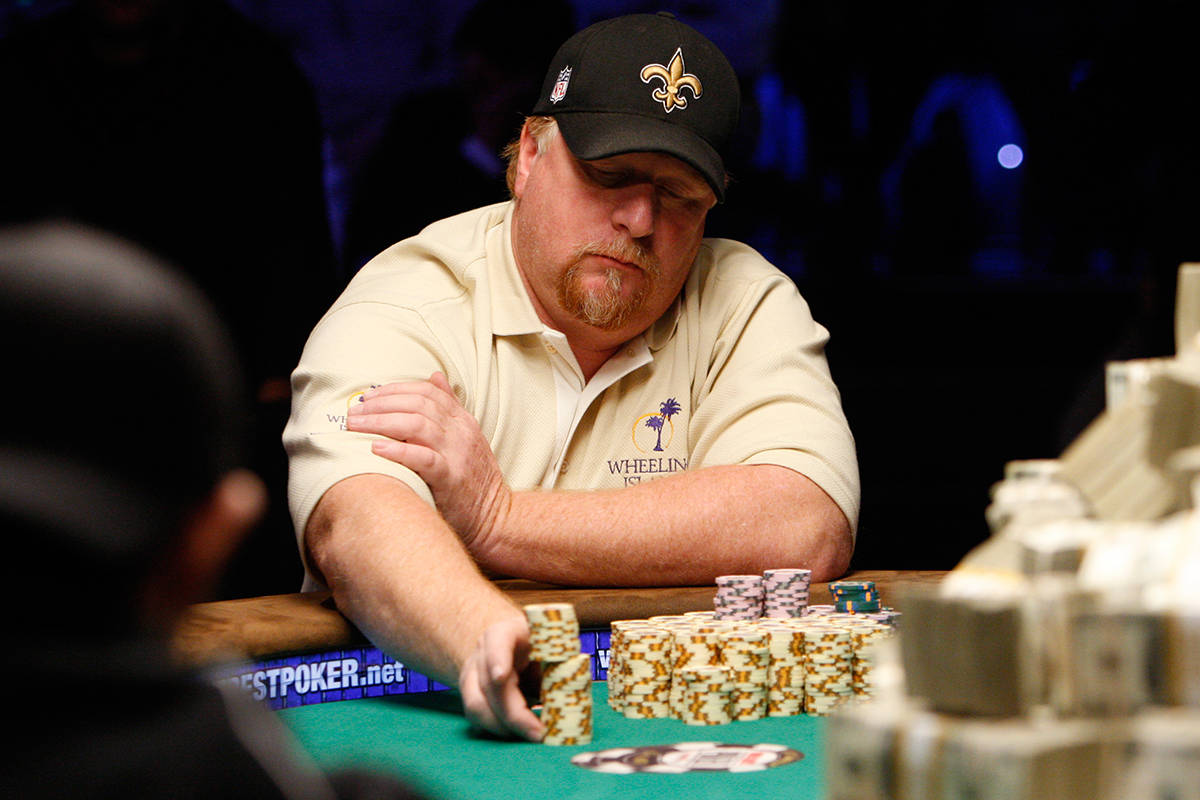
(427, 430)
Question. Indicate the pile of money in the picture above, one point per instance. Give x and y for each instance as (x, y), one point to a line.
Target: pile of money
(1061, 658)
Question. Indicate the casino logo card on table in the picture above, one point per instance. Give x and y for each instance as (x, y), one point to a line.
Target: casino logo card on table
(689, 757)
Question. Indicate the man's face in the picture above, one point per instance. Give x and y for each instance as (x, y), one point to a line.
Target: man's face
(605, 246)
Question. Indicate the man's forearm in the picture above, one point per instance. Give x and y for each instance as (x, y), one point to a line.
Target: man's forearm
(678, 530)
(402, 575)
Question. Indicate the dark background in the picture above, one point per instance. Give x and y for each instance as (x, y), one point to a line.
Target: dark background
(270, 147)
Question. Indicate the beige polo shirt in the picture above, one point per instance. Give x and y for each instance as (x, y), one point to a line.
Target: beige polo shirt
(733, 373)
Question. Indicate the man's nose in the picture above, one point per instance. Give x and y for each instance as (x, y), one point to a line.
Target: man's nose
(635, 208)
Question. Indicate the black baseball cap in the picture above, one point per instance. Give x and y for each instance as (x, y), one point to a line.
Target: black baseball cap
(644, 83)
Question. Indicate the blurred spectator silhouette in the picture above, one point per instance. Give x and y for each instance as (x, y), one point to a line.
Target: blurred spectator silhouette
(954, 190)
(177, 124)
(123, 494)
(440, 151)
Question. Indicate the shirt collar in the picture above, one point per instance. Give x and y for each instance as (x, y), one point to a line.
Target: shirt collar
(512, 310)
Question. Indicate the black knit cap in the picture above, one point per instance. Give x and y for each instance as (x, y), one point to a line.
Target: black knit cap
(644, 83)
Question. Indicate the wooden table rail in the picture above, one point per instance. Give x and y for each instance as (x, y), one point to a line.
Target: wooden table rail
(265, 627)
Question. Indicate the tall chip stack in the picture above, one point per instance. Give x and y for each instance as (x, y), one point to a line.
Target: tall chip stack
(828, 662)
(695, 646)
(785, 672)
(566, 690)
(865, 636)
(747, 655)
(1061, 658)
(644, 669)
(785, 592)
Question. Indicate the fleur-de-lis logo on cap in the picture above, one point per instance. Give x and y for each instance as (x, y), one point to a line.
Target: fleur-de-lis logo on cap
(675, 80)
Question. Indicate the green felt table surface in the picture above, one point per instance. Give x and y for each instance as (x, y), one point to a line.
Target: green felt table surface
(425, 740)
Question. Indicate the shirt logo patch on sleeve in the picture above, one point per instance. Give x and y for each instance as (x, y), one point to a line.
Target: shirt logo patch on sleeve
(335, 416)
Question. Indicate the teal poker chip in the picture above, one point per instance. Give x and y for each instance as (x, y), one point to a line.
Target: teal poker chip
(840, 587)
(858, 606)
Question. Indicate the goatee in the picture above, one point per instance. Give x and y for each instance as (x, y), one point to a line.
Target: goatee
(606, 307)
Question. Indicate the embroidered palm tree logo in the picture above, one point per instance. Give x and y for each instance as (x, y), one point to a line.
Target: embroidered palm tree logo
(666, 410)
(675, 79)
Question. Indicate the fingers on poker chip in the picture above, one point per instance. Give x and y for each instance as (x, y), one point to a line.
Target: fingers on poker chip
(566, 673)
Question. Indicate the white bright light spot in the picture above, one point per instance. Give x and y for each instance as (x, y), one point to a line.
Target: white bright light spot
(1010, 156)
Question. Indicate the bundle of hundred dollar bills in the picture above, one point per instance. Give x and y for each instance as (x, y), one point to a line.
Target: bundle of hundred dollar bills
(1061, 658)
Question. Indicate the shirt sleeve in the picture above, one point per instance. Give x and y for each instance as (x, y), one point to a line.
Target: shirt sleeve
(355, 347)
(767, 396)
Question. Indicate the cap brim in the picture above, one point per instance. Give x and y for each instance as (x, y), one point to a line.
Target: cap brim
(601, 134)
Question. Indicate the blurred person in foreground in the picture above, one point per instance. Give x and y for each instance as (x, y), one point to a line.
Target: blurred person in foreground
(121, 499)
(574, 386)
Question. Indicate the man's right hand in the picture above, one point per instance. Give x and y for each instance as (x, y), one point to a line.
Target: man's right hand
(490, 681)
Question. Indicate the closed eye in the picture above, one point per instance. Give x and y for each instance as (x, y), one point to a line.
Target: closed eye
(609, 178)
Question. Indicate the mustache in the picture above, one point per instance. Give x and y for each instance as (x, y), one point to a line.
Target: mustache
(624, 250)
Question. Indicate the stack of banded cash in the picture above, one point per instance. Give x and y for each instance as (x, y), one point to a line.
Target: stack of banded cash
(1061, 658)
(566, 692)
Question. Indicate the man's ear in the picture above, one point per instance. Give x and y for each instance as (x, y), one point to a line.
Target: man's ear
(526, 155)
(191, 567)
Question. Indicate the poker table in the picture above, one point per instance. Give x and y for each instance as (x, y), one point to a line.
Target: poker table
(415, 729)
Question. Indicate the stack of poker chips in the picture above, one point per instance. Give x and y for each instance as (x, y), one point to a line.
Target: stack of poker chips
(705, 695)
(566, 693)
(775, 593)
(785, 672)
(695, 645)
(828, 668)
(746, 653)
(855, 597)
(782, 656)
(785, 592)
(864, 634)
(769, 671)
(739, 597)
(567, 700)
(640, 669)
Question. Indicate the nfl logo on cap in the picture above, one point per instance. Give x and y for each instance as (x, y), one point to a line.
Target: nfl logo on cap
(560, 86)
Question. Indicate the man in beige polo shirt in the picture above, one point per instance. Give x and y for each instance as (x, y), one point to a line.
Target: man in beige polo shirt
(573, 387)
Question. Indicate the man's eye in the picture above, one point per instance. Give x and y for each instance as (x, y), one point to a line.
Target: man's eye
(679, 197)
(607, 178)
